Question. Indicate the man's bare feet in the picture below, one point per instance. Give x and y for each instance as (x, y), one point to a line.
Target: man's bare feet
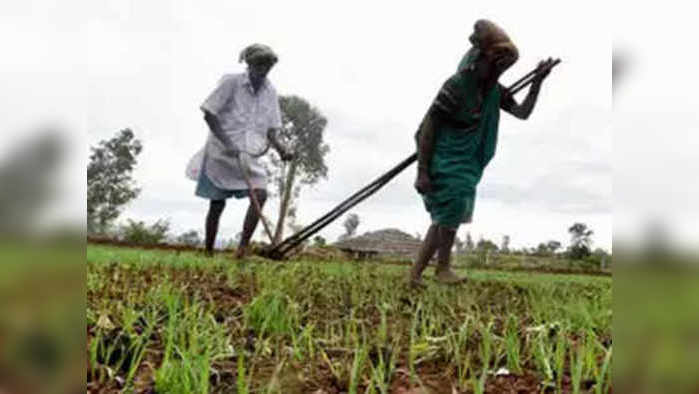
(416, 283)
(448, 277)
(242, 252)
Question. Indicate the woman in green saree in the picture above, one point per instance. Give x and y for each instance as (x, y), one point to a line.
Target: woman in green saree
(457, 139)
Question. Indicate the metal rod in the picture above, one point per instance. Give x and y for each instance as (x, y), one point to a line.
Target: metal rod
(529, 78)
(349, 202)
(525, 80)
(287, 245)
(521, 80)
(334, 214)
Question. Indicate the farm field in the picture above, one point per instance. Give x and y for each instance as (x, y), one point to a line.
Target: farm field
(178, 322)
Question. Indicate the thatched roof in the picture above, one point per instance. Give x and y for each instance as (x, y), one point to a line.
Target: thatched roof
(386, 241)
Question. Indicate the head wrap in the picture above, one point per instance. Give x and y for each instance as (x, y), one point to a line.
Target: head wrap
(491, 41)
(257, 52)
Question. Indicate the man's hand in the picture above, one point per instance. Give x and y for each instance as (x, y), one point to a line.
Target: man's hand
(423, 183)
(284, 154)
(231, 151)
(287, 156)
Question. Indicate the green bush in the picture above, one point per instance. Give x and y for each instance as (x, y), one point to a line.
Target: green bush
(141, 234)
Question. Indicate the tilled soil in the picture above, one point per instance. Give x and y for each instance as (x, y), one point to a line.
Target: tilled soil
(226, 298)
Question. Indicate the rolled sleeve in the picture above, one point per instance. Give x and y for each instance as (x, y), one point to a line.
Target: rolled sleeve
(220, 97)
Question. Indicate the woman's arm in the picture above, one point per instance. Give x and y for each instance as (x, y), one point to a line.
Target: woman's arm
(444, 105)
(522, 111)
(425, 150)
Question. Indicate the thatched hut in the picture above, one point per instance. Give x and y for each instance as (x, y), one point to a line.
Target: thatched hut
(382, 243)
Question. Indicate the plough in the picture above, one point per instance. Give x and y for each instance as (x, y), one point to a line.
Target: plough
(286, 247)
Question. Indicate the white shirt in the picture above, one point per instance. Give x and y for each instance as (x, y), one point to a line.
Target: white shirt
(245, 117)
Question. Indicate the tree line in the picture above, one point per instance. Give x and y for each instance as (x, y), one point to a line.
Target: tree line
(580, 245)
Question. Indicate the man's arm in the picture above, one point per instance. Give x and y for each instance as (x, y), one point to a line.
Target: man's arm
(217, 131)
(214, 105)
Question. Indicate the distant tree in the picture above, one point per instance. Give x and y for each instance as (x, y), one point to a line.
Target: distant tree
(505, 248)
(189, 238)
(602, 257)
(458, 244)
(292, 223)
(600, 252)
(484, 249)
(109, 183)
(469, 243)
(542, 250)
(351, 223)
(553, 246)
(580, 242)
(486, 245)
(224, 243)
(302, 132)
(319, 241)
(230, 243)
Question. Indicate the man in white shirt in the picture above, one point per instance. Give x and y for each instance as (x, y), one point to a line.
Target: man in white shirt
(243, 115)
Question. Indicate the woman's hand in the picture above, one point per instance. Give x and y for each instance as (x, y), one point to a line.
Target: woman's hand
(543, 70)
(423, 183)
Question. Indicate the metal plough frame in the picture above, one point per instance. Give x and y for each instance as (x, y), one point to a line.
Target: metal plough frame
(283, 249)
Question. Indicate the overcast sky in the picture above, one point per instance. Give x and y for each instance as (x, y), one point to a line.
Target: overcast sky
(372, 68)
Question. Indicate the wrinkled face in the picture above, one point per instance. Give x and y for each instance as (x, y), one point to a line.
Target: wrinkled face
(259, 69)
(484, 67)
(492, 65)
